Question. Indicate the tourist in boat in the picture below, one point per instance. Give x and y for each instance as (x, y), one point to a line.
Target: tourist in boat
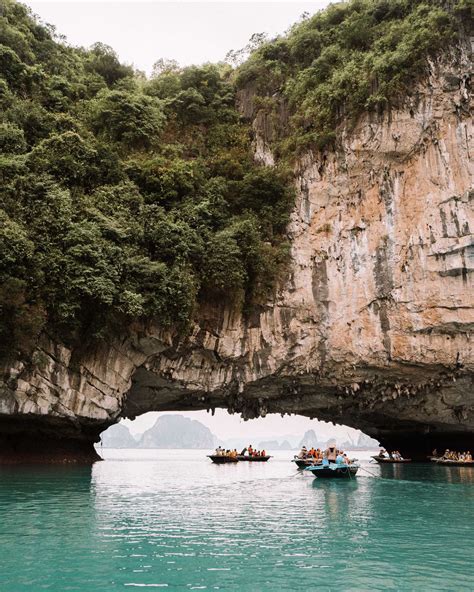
(383, 453)
(446, 454)
(347, 460)
(331, 453)
(454, 456)
(263, 453)
(250, 450)
(339, 458)
(325, 461)
(302, 454)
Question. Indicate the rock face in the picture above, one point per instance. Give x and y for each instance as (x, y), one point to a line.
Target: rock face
(118, 436)
(176, 431)
(372, 327)
(310, 440)
(365, 441)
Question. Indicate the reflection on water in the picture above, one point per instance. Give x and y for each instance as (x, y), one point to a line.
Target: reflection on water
(426, 472)
(172, 519)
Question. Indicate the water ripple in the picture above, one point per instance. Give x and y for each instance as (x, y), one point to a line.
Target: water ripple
(191, 525)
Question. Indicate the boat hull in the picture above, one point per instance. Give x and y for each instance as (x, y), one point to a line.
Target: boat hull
(454, 463)
(253, 458)
(302, 463)
(390, 461)
(345, 472)
(222, 460)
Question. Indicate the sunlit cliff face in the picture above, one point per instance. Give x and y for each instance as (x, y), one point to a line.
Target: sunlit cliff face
(372, 327)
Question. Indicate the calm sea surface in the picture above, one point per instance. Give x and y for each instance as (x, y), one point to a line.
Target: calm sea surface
(172, 520)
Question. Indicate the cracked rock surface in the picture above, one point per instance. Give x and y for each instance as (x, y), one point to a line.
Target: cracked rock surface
(373, 327)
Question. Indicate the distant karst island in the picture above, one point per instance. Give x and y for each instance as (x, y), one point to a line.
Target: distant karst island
(179, 432)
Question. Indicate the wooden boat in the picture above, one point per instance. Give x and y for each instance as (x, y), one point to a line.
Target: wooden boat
(220, 459)
(334, 471)
(248, 458)
(390, 461)
(302, 463)
(454, 463)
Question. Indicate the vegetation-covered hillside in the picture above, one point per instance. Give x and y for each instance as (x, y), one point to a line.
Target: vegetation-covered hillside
(123, 198)
(354, 56)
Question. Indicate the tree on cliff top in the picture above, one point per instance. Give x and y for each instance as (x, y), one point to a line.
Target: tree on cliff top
(351, 57)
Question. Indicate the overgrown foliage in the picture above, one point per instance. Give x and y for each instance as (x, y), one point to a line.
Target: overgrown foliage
(353, 56)
(122, 198)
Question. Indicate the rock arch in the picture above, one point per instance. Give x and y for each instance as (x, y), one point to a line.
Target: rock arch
(372, 327)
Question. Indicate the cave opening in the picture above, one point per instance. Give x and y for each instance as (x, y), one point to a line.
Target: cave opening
(205, 430)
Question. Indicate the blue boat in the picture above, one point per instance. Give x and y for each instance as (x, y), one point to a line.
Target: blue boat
(334, 471)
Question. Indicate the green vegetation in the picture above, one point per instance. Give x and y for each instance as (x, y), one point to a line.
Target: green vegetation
(123, 198)
(354, 56)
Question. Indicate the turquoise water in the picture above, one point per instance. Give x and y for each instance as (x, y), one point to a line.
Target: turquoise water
(172, 520)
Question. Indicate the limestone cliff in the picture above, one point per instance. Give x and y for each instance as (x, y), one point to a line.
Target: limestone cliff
(372, 327)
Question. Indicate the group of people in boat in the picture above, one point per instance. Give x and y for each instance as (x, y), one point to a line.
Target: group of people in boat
(234, 454)
(330, 455)
(392, 455)
(312, 453)
(223, 452)
(453, 455)
(252, 452)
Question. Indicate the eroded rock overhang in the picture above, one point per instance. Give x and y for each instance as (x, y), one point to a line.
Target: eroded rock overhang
(372, 327)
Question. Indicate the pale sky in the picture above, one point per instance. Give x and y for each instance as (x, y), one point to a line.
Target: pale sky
(226, 426)
(193, 32)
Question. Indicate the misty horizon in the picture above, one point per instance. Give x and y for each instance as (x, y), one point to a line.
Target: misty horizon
(226, 426)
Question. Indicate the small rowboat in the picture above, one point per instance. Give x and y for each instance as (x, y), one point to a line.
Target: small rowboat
(454, 463)
(390, 461)
(253, 458)
(220, 459)
(302, 463)
(334, 471)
